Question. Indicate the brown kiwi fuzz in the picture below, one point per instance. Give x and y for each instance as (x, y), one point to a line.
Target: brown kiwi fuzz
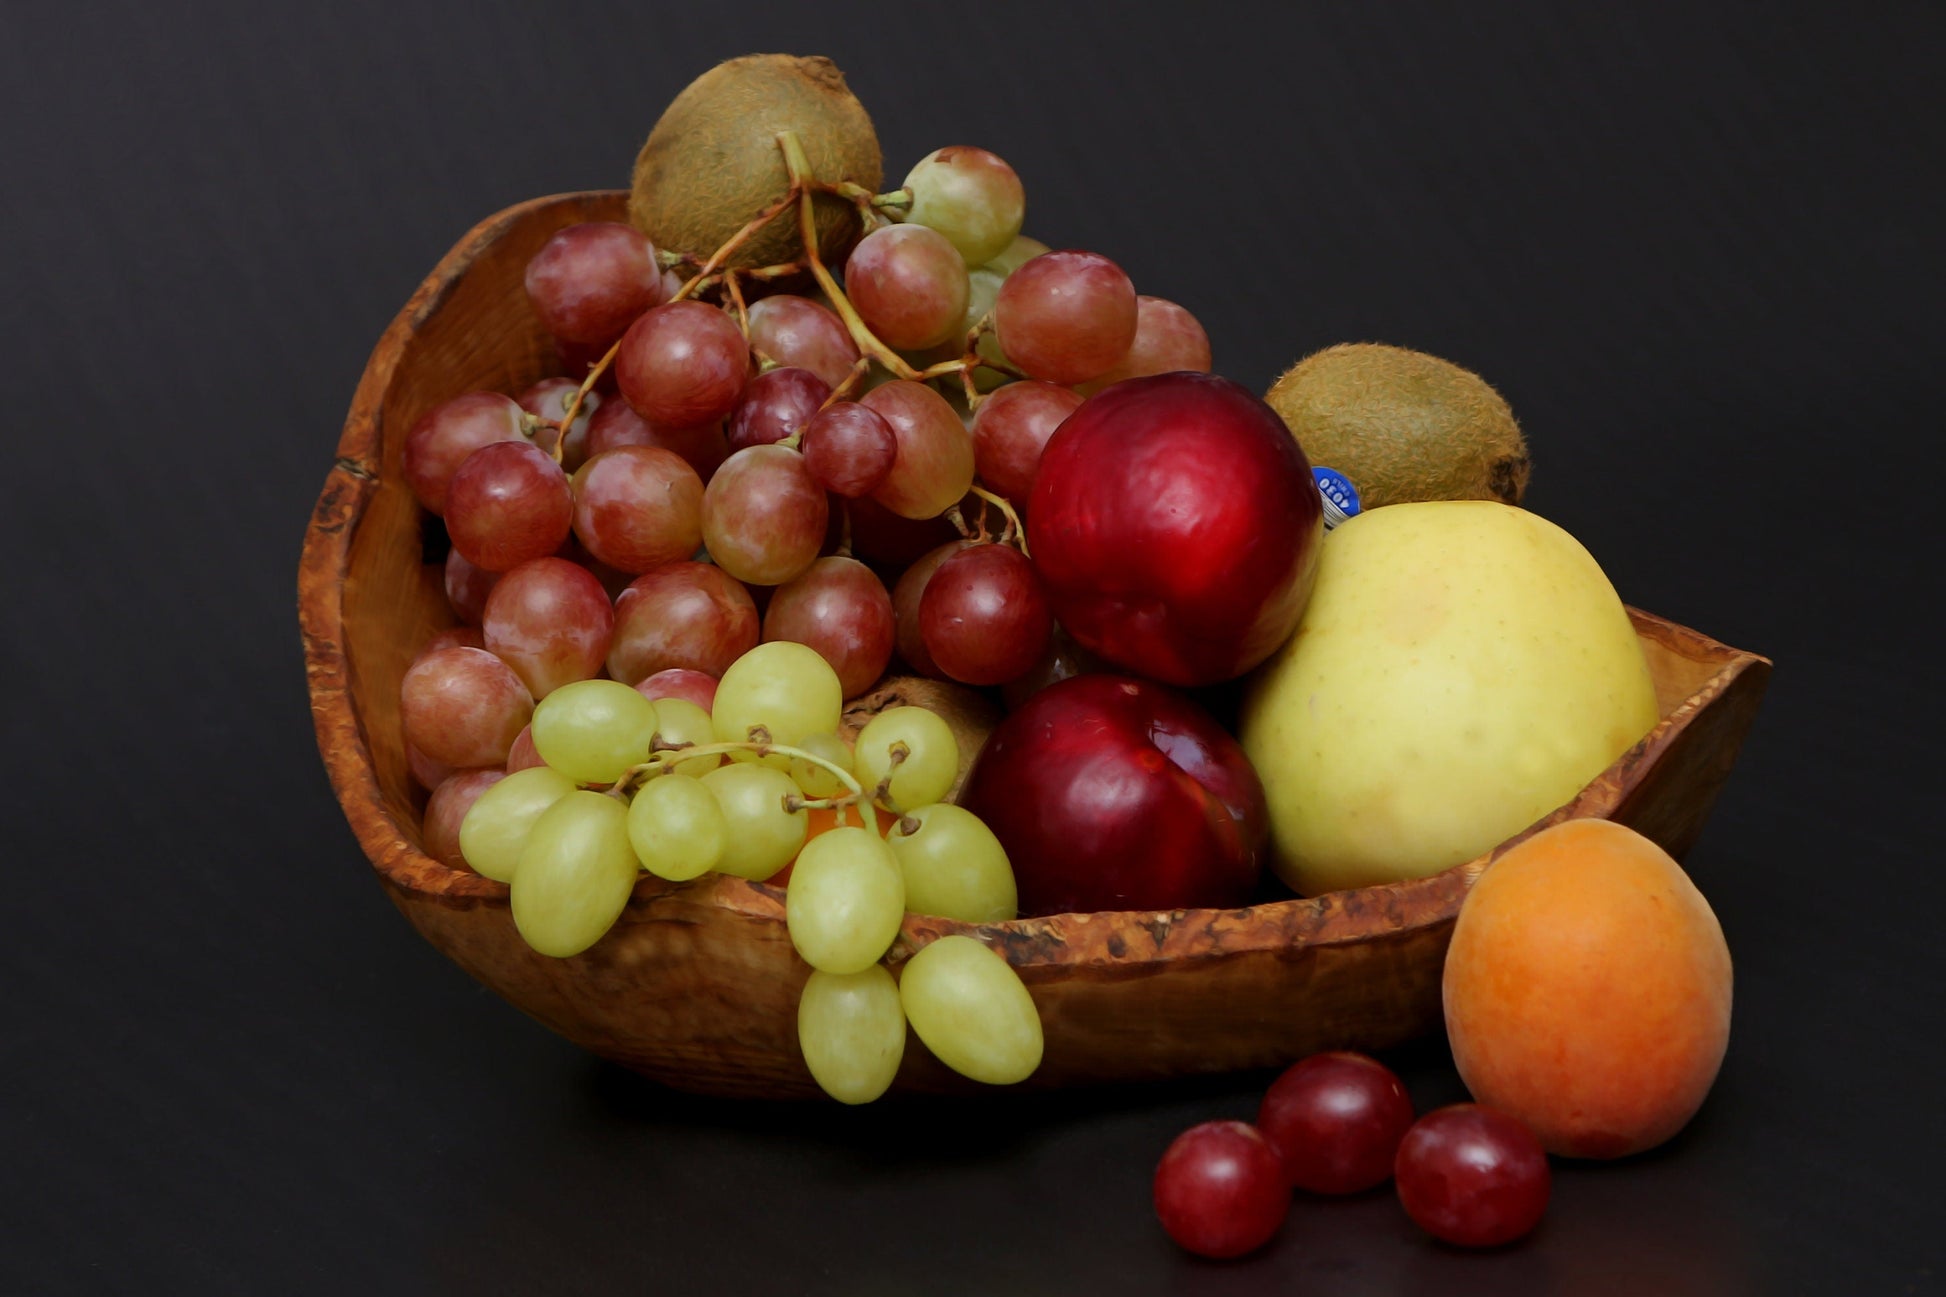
(968, 713)
(711, 164)
(1403, 425)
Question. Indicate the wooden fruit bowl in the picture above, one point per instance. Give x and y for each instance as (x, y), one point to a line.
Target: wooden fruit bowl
(697, 985)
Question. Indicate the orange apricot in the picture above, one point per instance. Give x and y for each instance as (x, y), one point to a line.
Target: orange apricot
(1587, 990)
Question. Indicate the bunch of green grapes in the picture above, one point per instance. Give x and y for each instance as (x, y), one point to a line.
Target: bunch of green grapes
(627, 784)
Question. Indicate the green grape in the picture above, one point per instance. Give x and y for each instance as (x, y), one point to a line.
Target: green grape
(763, 836)
(575, 873)
(1021, 251)
(970, 196)
(677, 827)
(593, 730)
(846, 900)
(972, 1011)
(924, 772)
(953, 865)
(679, 721)
(783, 688)
(815, 780)
(497, 825)
(851, 1027)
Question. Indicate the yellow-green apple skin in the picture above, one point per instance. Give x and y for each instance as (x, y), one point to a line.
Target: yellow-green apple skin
(1463, 668)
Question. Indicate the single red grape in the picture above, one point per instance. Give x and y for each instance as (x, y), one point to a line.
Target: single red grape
(577, 359)
(638, 507)
(686, 614)
(549, 399)
(452, 637)
(1009, 429)
(775, 404)
(984, 615)
(1336, 1119)
(908, 283)
(426, 772)
(1066, 317)
(550, 621)
(462, 707)
(763, 516)
(467, 587)
(589, 282)
(616, 424)
(522, 755)
(446, 809)
(934, 465)
(849, 449)
(840, 608)
(1472, 1176)
(1220, 1191)
(1167, 339)
(441, 441)
(680, 682)
(906, 597)
(683, 364)
(798, 331)
(508, 503)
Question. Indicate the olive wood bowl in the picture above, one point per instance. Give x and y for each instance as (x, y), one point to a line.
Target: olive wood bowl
(697, 985)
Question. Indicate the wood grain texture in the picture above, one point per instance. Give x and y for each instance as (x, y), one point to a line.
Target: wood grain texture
(697, 985)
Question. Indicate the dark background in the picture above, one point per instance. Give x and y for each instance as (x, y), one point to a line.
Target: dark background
(1696, 246)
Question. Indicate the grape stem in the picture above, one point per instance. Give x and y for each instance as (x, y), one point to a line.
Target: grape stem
(661, 762)
(1015, 530)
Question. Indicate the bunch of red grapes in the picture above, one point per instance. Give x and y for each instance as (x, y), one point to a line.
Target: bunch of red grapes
(752, 469)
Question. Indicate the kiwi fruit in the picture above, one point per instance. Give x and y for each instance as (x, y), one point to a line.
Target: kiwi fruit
(1403, 425)
(712, 162)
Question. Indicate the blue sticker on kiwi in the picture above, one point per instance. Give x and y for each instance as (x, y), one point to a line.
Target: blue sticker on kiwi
(1340, 496)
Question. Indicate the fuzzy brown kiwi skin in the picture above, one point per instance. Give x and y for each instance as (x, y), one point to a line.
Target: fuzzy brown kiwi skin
(712, 162)
(1403, 425)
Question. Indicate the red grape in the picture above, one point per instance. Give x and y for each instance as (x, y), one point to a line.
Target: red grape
(446, 809)
(522, 755)
(906, 596)
(577, 360)
(616, 424)
(839, 608)
(590, 281)
(441, 441)
(638, 507)
(549, 399)
(798, 331)
(908, 284)
(1219, 1190)
(467, 587)
(1472, 1176)
(1167, 339)
(934, 466)
(763, 516)
(550, 621)
(1066, 317)
(1337, 1120)
(692, 615)
(1009, 430)
(680, 682)
(777, 403)
(683, 364)
(462, 707)
(508, 503)
(984, 616)
(891, 543)
(849, 449)
(426, 772)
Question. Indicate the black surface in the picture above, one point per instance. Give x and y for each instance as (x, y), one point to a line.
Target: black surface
(1697, 247)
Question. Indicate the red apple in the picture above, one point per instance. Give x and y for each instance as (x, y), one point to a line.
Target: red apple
(1111, 793)
(1177, 526)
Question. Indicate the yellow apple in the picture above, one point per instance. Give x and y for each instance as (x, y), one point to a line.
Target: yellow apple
(1463, 668)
